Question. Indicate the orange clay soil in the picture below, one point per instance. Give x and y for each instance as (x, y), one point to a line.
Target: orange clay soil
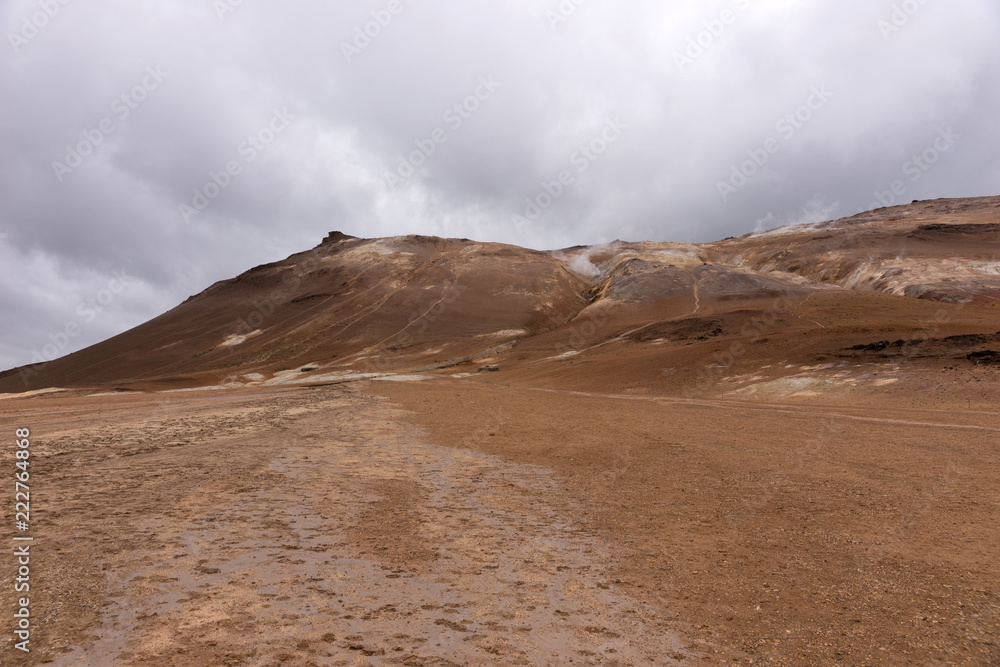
(482, 521)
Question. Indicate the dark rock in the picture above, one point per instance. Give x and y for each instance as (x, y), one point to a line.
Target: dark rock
(984, 357)
(336, 237)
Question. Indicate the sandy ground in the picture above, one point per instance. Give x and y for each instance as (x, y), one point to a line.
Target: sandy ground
(455, 522)
(312, 527)
(796, 533)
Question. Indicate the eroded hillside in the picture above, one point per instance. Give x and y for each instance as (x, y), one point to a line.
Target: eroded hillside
(352, 307)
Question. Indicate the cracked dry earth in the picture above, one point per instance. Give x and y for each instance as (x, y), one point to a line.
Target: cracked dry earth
(314, 527)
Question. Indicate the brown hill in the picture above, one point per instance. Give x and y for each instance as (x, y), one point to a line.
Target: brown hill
(670, 317)
(947, 250)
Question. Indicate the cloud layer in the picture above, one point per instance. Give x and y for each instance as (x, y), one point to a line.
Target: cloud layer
(185, 142)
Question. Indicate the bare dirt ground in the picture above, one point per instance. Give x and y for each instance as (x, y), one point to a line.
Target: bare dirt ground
(778, 533)
(454, 522)
(311, 527)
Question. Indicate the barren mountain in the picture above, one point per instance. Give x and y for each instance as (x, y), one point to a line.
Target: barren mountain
(947, 250)
(352, 306)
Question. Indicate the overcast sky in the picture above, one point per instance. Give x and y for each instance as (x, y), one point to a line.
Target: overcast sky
(148, 149)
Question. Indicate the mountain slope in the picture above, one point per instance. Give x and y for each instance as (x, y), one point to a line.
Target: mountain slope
(946, 250)
(417, 303)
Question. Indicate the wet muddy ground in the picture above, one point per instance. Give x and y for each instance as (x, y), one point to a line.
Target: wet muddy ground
(310, 527)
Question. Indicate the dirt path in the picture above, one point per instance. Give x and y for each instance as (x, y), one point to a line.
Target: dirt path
(317, 528)
(791, 408)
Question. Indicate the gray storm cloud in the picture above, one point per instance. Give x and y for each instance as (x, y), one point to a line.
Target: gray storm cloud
(182, 143)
